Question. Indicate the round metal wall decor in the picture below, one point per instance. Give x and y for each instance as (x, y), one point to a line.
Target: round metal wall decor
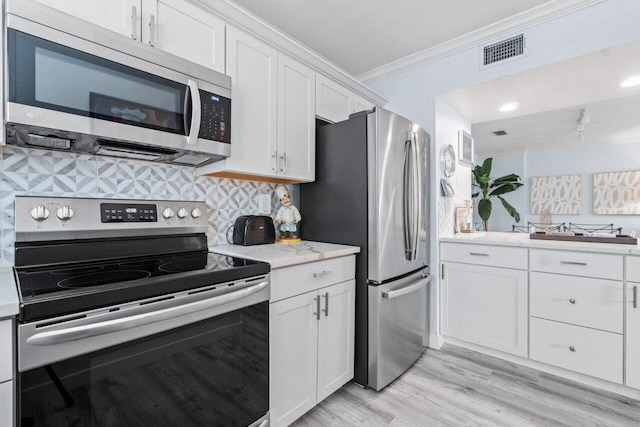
(448, 160)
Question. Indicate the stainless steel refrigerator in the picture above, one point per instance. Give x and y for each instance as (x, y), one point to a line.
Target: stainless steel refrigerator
(371, 191)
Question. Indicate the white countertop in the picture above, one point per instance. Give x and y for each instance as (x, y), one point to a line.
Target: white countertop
(523, 240)
(286, 254)
(9, 302)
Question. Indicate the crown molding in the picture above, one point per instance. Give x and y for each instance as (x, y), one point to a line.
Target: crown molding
(529, 18)
(234, 14)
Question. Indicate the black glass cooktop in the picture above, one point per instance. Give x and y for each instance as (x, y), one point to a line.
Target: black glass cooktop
(46, 291)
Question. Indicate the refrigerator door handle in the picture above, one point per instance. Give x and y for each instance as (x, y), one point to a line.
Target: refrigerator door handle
(407, 289)
(417, 197)
(407, 199)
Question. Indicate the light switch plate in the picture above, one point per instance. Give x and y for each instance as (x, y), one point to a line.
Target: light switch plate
(264, 204)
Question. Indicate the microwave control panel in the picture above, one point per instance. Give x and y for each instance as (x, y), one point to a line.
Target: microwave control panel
(215, 124)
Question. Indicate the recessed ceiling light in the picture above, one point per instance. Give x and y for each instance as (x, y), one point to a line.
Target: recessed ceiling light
(631, 81)
(508, 107)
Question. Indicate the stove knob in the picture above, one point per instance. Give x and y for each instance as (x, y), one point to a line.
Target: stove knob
(182, 213)
(196, 213)
(40, 213)
(167, 213)
(64, 213)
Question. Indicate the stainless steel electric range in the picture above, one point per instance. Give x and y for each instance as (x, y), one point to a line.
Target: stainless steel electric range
(126, 319)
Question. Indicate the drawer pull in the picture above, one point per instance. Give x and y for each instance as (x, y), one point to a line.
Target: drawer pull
(322, 273)
(573, 263)
(478, 254)
(572, 348)
(572, 301)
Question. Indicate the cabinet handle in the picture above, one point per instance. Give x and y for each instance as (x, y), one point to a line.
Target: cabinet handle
(317, 313)
(572, 348)
(572, 301)
(152, 30)
(442, 273)
(274, 160)
(573, 263)
(322, 273)
(134, 22)
(326, 304)
(478, 254)
(635, 297)
(283, 157)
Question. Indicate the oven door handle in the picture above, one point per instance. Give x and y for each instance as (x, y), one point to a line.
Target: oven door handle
(114, 325)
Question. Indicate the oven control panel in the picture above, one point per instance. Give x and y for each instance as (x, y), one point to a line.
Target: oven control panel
(121, 212)
(55, 218)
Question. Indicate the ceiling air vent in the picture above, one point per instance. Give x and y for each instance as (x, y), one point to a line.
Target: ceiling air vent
(512, 47)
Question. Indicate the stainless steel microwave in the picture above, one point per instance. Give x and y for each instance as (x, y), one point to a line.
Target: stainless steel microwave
(74, 87)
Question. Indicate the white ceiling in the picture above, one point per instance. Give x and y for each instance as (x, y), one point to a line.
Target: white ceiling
(550, 99)
(361, 35)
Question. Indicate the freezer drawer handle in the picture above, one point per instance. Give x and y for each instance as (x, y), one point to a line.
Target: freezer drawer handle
(478, 254)
(407, 289)
(114, 325)
(322, 273)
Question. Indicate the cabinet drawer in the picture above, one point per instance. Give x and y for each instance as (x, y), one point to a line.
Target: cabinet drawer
(633, 268)
(6, 350)
(594, 303)
(576, 348)
(577, 263)
(298, 279)
(491, 256)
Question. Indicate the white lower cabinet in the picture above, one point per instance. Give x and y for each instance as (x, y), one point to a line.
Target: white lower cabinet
(485, 306)
(632, 323)
(311, 340)
(6, 350)
(585, 350)
(6, 404)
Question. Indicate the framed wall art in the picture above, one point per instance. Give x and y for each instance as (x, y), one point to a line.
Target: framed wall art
(465, 147)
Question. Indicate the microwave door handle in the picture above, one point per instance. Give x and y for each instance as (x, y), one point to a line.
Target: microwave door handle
(196, 112)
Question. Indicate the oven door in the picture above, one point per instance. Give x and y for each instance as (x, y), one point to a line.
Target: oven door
(212, 372)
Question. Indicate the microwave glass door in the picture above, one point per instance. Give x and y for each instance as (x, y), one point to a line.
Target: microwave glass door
(48, 75)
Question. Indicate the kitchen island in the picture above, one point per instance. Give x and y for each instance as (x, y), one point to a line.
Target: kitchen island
(569, 308)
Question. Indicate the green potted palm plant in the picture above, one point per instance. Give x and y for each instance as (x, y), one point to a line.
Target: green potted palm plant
(490, 188)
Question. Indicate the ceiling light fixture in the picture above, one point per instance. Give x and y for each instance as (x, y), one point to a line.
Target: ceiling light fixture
(508, 107)
(631, 81)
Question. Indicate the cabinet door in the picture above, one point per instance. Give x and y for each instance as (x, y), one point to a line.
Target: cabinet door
(293, 357)
(358, 103)
(6, 350)
(252, 66)
(333, 101)
(115, 15)
(185, 30)
(632, 336)
(296, 120)
(485, 306)
(335, 338)
(6, 404)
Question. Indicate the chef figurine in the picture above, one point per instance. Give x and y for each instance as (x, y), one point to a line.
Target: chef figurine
(288, 216)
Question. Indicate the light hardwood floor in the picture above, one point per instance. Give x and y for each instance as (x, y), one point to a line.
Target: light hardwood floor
(459, 387)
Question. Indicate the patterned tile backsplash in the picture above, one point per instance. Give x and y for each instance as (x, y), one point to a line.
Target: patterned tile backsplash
(47, 173)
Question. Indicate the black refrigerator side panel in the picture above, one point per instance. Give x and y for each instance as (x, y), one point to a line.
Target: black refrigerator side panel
(334, 210)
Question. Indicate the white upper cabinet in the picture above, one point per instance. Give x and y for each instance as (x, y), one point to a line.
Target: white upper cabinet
(335, 102)
(273, 114)
(175, 26)
(185, 30)
(296, 120)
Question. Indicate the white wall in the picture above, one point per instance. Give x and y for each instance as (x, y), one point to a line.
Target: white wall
(582, 161)
(448, 123)
(413, 93)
